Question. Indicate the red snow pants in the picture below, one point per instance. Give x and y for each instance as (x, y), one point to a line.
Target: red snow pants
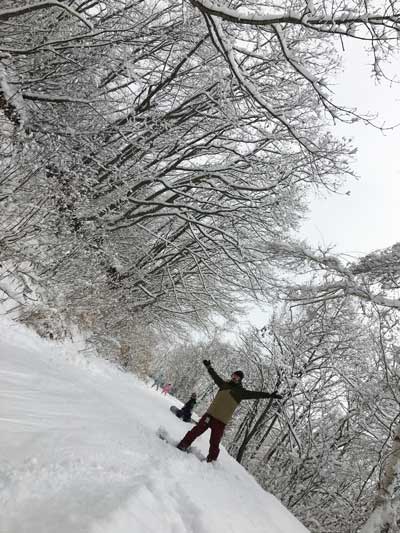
(217, 430)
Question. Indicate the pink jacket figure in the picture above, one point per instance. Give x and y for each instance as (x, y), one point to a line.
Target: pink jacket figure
(165, 390)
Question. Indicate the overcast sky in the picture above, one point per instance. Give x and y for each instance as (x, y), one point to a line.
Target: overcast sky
(369, 218)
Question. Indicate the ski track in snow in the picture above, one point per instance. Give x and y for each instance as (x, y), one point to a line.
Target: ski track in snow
(80, 454)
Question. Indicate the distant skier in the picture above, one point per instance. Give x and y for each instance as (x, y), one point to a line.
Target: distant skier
(230, 394)
(166, 389)
(186, 412)
(158, 381)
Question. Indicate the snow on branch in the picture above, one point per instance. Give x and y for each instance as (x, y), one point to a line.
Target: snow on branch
(6, 14)
(342, 279)
(226, 49)
(243, 16)
(11, 101)
(323, 292)
(300, 251)
(298, 67)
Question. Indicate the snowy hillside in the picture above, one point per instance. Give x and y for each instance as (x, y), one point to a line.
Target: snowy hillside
(79, 454)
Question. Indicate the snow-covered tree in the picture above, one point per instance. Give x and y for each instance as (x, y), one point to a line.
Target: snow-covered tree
(165, 146)
(332, 440)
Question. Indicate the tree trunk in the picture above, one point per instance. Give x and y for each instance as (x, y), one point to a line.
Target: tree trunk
(383, 516)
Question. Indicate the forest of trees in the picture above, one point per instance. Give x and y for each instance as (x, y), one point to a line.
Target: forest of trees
(330, 448)
(156, 159)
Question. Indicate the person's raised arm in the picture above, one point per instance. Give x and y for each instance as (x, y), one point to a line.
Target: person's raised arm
(253, 395)
(216, 378)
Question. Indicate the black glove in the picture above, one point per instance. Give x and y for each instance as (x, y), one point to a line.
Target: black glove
(206, 363)
(276, 396)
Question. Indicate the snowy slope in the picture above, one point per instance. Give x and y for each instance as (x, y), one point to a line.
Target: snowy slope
(79, 454)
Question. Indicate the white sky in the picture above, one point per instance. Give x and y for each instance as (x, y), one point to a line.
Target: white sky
(369, 218)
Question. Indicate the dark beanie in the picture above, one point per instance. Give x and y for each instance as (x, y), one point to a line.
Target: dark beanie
(239, 373)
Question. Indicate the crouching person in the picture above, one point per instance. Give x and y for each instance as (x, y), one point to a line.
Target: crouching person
(186, 412)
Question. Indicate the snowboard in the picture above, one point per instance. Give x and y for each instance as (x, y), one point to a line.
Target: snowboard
(174, 409)
(163, 434)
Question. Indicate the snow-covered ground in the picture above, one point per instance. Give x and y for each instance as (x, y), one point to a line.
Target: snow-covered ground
(79, 454)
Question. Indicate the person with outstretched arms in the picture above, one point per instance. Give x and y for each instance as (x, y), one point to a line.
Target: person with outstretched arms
(221, 410)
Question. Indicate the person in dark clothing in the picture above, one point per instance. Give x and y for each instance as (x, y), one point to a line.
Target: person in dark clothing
(221, 410)
(186, 412)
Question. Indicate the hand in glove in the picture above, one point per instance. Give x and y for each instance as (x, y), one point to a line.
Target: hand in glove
(206, 363)
(276, 396)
